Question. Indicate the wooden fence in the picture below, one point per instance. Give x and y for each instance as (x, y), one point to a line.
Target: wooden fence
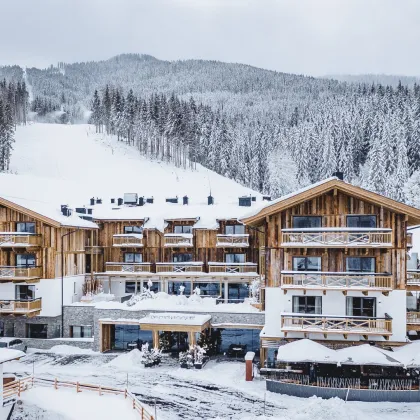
(15, 388)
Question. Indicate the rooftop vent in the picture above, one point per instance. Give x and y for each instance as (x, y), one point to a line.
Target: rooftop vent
(112, 200)
(172, 200)
(141, 201)
(99, 201)
(81, 210)
(149, 200)
(130, 198)
(120, 201)
(245, 201)
(210, 200)
(266, 198)
(254, 198)
(339, 175)
(185, 200)
(92, 201)
(89, 211)
(65, 210)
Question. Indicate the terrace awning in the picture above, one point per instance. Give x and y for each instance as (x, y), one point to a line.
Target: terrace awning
(306, 351)
(175, 322)
(366, 354)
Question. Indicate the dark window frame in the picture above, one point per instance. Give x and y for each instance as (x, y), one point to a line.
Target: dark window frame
(361, 267)
(131, 229)
(306, 305)
(27, 256)
(361, 308)
(176, 255)
(234, 227)
(82, 331)
(296, 217)
(361, 216)
(25, 224)
(182, 227)
(235, 253)
(19, 294)
(295, 257)
(134, 259)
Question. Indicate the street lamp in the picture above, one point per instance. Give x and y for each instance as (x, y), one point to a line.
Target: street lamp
(62, 279)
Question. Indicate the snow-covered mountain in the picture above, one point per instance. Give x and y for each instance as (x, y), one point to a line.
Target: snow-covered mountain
(68, 164)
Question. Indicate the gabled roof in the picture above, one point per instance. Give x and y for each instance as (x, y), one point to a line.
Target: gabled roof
(322, 187)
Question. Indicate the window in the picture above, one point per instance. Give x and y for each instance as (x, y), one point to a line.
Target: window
(305, 222)
(238, 292)
(25, 260)
(235, 258)
(133, 257)
(173, 287)
(133, 229)
(182, 229)
(234, 229)
(25, 292)
(36, 330)
(361, 306)
(360, 264)
(306, 263)
(130, 287)
(361, 221)
(28, 227)
(181, 257)
(82, 331)
(208, 289)
(307, 304)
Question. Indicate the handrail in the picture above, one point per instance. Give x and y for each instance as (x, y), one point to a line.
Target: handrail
(19, 239)
(7, 271)
(15, 306)
(413, 317)
(181, 240)
(127, 240)
(179, 267)
(232, 240)
(232, 268)
(128, 267)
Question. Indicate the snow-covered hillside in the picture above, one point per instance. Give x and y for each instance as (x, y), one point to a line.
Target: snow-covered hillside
(68, 164)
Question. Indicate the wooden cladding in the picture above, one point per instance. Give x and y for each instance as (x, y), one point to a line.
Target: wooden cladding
(336, 325)
(21, 307)
(341, 281)
(14, 239)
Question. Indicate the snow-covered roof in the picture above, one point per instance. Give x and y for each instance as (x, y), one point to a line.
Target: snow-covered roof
(366, 354)
(175, 319)
(306, 351)
(7, 355)
(409, 354)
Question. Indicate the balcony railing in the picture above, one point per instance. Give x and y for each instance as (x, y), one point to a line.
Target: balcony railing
(29, 308)
(413, 318)
(328, 280)
(19, 239)
(234, 240)
(336, 238)
(231, 268)
(128, 239)
(182, 267)
(20, 273)
(179, 240)
(128, 268)
(413, 277)
(336, 325)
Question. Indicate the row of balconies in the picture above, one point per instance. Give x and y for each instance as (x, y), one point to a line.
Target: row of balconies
(187, 268)
(181, 240)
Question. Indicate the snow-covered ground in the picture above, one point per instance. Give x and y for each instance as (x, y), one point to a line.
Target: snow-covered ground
(219, 391)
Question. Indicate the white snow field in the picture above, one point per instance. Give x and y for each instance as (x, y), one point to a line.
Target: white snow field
(218, 391)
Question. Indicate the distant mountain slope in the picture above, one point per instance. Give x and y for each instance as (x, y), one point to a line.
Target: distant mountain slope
(383, 79)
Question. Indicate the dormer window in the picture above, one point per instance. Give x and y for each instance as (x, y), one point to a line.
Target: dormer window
(27, 227)
(361, 221)
(182, 229)
(234, 229)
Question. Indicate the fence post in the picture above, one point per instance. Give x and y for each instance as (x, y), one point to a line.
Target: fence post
(134, 406)
(100, 390)
(77, 387)
(125, 393)
(19, 388)
(55, 383)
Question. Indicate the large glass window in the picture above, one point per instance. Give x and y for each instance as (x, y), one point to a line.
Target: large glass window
(24, 292)
(306, 222)
(306, 263)
(361, 306)
(238, 292)
(128, 337)
(133, 257)
(133, 229)
(173, 287)
(235, 258)
(80, 331)
(360, 264)
(209, 289)
(182, 229)
(36, 330)
(307, 304)
(28, 227)
(130, 287)
(234, 229)
(236, 342)
(25, 260)
(182, 257)
(361, 221)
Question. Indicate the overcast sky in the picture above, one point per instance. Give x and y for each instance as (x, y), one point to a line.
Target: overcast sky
(317, 37)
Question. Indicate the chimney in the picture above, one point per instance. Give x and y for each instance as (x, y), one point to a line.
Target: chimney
(99, 201)
(120, 201)
(90, 211)
(210, 200)
(339, 175)
(254, 198)
(112, 200)
(92, 201)
(172, 200)
(141, 201)
(65, 210)
(149, 200)
(185, 200)
(266, 198)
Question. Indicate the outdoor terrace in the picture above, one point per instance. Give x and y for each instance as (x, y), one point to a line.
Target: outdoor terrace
(128, 240)
(18, 274)
(30, 308)
(19, 239)
(178, 240)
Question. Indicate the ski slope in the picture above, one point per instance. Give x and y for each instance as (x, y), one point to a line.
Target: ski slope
(68, 164)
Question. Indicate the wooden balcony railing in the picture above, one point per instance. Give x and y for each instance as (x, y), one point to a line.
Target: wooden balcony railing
(178, 240)
(234, 240)
(413, 277)
(29, 308)
(184, 267)
(327, 280)
(231, 268)
(20, 273)
(413, 318)
(336, 238)
(19, 239)
(134, 240)
(336, 325)
(127, 268)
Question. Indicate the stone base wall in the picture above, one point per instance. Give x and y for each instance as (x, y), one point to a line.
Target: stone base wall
(16, 326)
(39, 343)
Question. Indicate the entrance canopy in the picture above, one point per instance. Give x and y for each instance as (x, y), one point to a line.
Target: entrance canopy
(175, 322)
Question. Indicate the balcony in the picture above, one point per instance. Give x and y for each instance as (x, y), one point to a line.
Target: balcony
(413, 318)
(178, 240)
(242, 269)
(317, 280)
(232, 241)
(326, 324)
(19, 240)
(17, 274)
(336, 238)
(413, 278)
(30, 308)
(186, 268)
(127, 268)
(128, 240)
